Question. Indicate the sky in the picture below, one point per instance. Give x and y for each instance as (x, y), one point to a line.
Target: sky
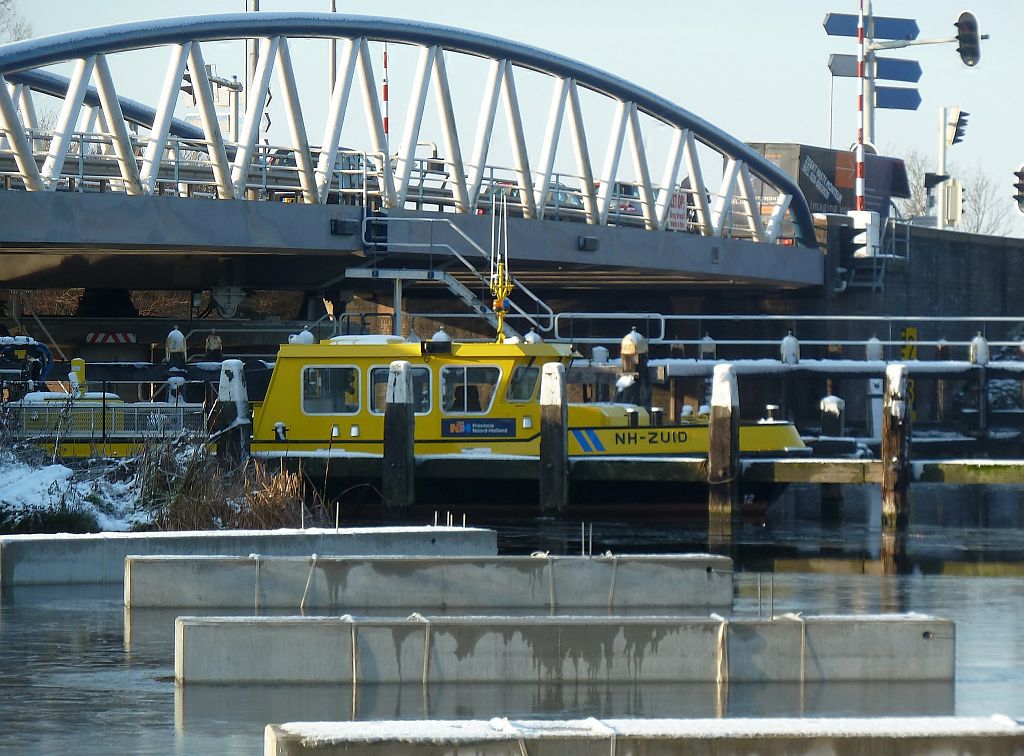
(757, 70)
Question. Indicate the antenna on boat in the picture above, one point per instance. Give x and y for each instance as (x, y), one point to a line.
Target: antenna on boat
(501, 279)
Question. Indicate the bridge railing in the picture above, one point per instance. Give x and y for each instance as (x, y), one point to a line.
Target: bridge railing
(185, 170)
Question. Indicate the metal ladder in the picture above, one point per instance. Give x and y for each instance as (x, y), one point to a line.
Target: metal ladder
(543, 319)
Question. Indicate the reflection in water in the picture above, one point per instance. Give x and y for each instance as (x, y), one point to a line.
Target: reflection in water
(201, 707)
(72, 666)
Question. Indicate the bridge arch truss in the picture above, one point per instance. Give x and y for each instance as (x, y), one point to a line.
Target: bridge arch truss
(93, 113)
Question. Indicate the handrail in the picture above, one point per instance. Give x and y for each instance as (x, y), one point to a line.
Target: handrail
(548, 314)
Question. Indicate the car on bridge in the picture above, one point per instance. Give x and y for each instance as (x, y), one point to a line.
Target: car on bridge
(561, 202)
(353, 171)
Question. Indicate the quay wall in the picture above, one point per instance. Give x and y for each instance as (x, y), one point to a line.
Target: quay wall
(993, 736)
(539, 584)
(100, 557)
(424, 650)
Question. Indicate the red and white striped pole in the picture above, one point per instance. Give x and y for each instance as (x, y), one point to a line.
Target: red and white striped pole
(862, 81)
(386, 106)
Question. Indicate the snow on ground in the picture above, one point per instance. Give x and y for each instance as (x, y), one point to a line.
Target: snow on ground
(94, 489)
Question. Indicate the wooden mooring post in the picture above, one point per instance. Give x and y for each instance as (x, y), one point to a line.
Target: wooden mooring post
(232, 425)
(895, 448)
(723, 452)
(399, 483)
(554, 439)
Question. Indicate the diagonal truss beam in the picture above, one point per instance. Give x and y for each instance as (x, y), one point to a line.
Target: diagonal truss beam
(485, 129)
(583, 165)
(296, 126)
(611, 160)
(114, 123)
(253, 114)
(517, 141)
(23, 157)
(61, 141)
(164, 113)
(556, 114)
(375, 125)
(413, 122)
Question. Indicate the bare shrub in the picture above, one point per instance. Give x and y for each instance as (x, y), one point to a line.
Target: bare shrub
(184, 487)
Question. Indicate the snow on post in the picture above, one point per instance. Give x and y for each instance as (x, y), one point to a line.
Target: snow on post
(832, 409)
(725, 391)
(232, 425)
(873, 350)
(231, 389)
(979, 353)
(723, 452)
(895, 448)
(789, 350)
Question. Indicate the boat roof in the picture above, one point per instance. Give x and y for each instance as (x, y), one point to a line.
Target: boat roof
(395, 348)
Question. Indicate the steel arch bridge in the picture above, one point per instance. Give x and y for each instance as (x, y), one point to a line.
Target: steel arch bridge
(230, 165)
(99, 202)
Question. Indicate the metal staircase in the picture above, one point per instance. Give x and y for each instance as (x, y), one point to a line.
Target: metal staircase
(893, 253)
(376, 238)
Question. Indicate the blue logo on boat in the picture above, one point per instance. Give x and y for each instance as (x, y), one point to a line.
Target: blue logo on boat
(464, 427)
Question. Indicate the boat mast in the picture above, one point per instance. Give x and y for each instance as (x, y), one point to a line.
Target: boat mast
(501, 279)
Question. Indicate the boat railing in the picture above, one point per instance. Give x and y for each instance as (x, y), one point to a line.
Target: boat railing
(76, 422)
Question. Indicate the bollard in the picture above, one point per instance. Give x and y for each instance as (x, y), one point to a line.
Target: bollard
(554, 439)
(176, 349)
(895, 449)
(833, 416)
(723, 452)
(231, 429)
(399, 483)
(942, 394)
(602, 386)
(979, 355)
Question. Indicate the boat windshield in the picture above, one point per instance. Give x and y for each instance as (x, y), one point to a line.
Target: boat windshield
(468, 389)
(523, 384)
(330, 390)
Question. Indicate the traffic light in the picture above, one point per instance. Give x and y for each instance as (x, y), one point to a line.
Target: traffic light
(956, 126)
(1019, 186)
(968, 39)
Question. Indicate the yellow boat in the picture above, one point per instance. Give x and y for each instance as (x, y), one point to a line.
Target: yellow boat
(328, 399)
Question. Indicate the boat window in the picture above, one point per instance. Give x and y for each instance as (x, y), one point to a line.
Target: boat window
(468, 389)
(330, 390)
(420, 389)
(523, 384)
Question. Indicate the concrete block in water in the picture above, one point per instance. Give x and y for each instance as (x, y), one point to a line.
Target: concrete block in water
(992, 736)
(538, 584)
(99, 557)
(565, 649)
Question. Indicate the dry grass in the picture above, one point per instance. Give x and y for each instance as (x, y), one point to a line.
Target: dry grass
(184, 487)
